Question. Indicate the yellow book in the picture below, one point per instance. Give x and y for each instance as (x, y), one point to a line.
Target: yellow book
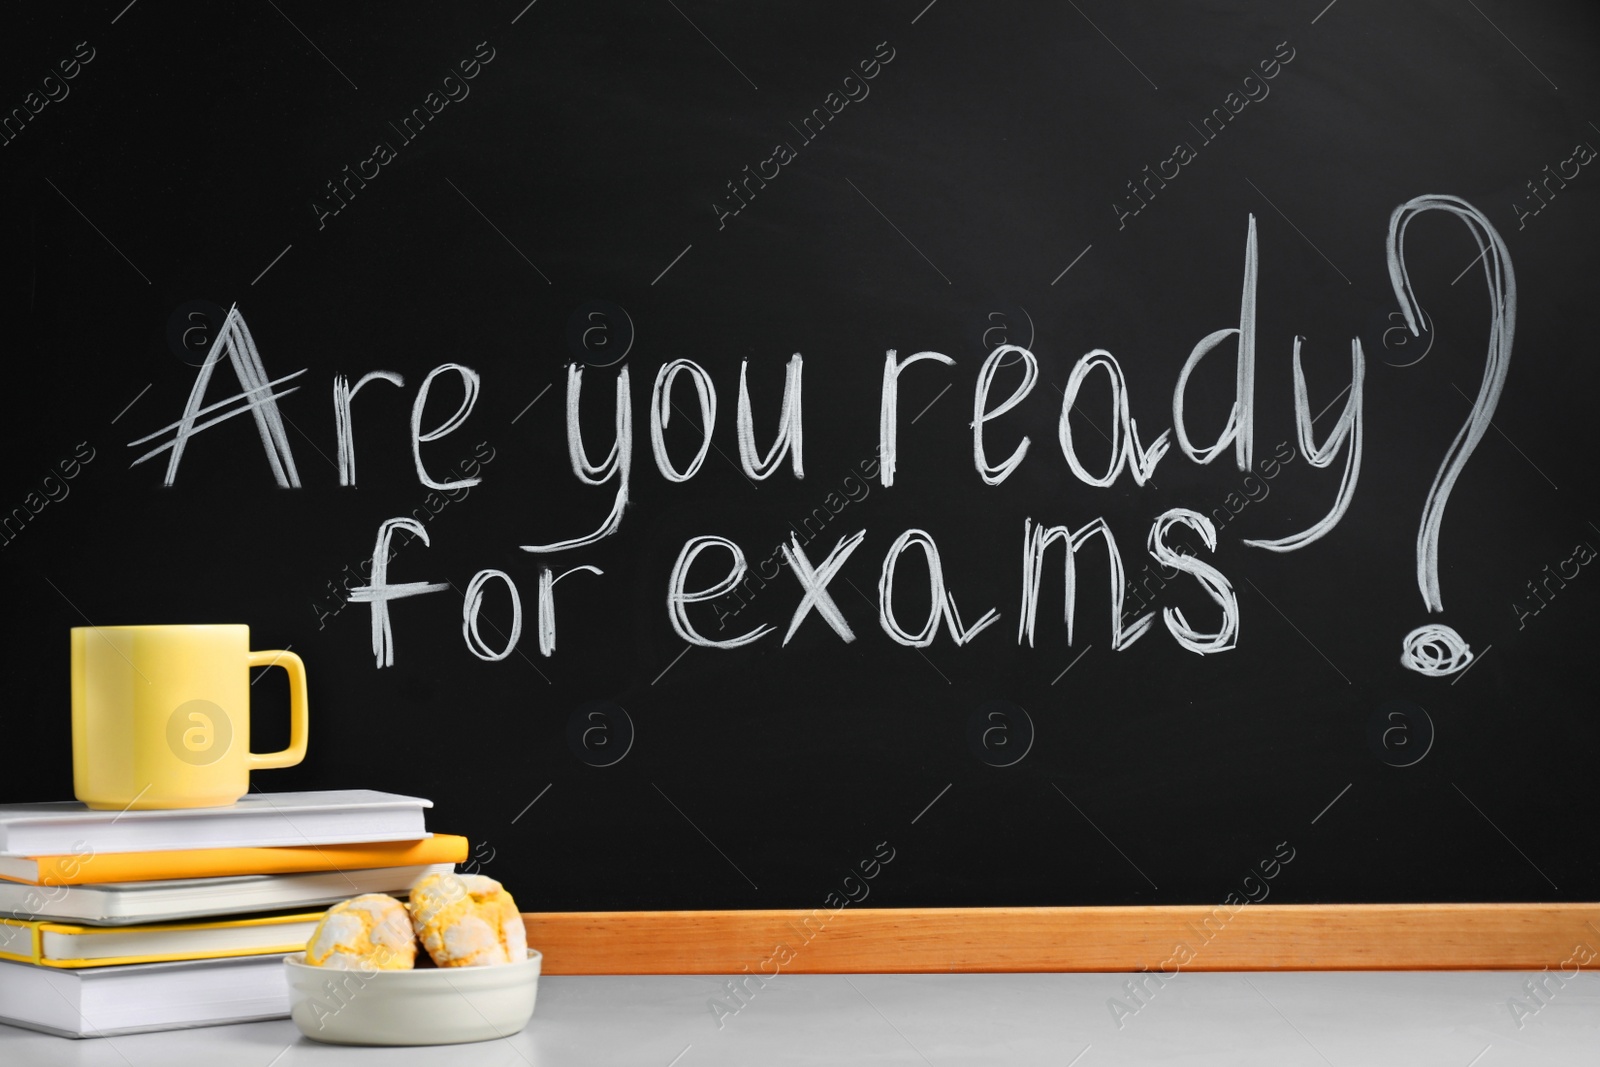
(50, 944)
(91, 868)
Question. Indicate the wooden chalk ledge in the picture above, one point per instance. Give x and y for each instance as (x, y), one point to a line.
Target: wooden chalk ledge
(1193, 938)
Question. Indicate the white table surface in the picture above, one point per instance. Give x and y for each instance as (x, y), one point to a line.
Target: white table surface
(1453, 1019)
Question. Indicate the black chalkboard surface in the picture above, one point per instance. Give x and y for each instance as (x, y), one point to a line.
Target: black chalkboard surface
(409, 233)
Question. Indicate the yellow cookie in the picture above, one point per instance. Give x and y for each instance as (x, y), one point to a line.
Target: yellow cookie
(365, 932)
(467, 920)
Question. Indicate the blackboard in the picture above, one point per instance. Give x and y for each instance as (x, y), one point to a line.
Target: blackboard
(485, 198)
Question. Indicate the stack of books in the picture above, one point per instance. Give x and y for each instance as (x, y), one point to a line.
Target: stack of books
(124, 922)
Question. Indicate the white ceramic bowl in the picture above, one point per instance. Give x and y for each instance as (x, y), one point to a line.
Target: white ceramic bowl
(426, 1006)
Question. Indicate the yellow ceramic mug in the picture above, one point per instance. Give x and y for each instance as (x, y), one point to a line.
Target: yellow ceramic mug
(161, 715)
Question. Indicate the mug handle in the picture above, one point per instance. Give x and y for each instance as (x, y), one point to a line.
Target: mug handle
(299, 717)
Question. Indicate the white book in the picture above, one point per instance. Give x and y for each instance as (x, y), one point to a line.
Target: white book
(140, 997)
(262, 820)
(169, 900)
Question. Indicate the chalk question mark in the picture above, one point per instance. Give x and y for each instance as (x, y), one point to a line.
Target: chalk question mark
(1435, 649)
